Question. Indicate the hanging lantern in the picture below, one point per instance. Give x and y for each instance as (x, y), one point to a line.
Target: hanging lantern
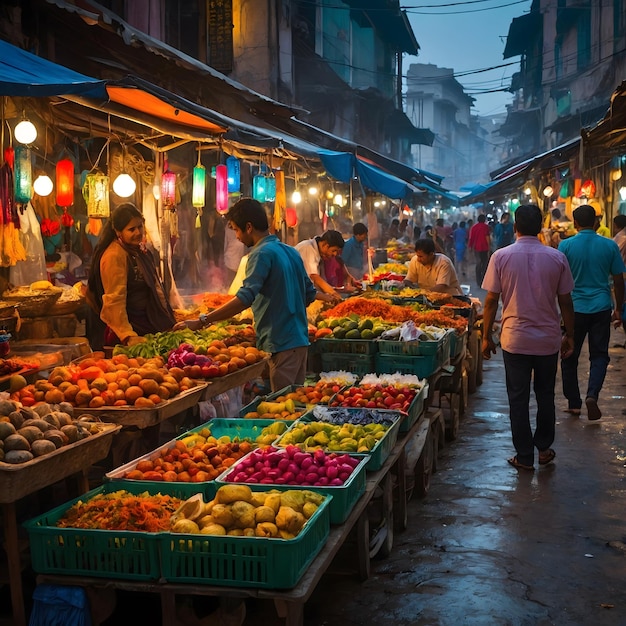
(199, 185)
(43, 185)
(221, 189)
(9, 156)
(25, 132)
(270, 189)
(548, 191)
(587, 189)
(168, 186)
(23, 175)
(234, 174)
(296, 197)
(258, 188)
(97, 186)
(124, 186)
(65, 182)
(291, 217)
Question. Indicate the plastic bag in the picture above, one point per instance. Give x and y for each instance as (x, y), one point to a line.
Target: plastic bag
(34, 267)
(55, 605)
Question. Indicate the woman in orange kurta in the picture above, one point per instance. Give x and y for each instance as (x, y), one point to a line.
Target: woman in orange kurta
(123, 281)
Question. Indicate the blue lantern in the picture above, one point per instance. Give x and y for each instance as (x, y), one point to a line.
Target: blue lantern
(234, 175)
(270, 189)
(259, 188)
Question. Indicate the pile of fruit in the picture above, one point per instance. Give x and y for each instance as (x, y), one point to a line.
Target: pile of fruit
(10, 366)
(278, 409)
(26, 433)
(236, 510)
(351, 327)
(376, 396)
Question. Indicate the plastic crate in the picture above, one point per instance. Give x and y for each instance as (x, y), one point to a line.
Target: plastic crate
(422, 366)
(415, 410)
(359, 364)
(254, 405)
(235, 428)
(343, 497)
(346, 346)
(127, 555)
(379, 453)
(409, 348)
(266, 563)
(457, 344)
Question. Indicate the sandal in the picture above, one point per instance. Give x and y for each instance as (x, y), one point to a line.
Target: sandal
(516, 464)
(547, 456)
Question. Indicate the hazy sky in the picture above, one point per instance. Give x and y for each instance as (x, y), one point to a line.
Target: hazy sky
(465, 36)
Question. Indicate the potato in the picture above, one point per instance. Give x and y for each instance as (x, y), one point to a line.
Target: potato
(18, 456)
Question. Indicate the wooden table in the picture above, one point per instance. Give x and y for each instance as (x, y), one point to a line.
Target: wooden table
(19, 481)
(290, 603)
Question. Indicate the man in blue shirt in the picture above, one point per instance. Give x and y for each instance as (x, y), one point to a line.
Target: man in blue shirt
(353, 253)
(592, 259)
(278, 290)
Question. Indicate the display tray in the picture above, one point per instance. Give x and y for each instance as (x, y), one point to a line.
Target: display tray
(129, 555)
(144, 417)
(25, 371)
(19, 480)
(266, 563)
(344, 496)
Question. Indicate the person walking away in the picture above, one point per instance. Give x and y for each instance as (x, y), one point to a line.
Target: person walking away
(531, 278)
(503, 232)
(277, 288)
(432, 270)
(480, 242)
(444, 233)
(459, 236)
(316, 250)
(124, 287)
(353, 253)
(592, 259)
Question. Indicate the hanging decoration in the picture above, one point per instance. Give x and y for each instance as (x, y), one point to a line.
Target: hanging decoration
(65, 183)
(280, 203)
(97, 188)
(587, 189)
(258, 188)
(168, 185)
(25, 132)
(198, 188)
(291, 217)
(23, 175)
(234, 174)
(270, 188)
(221, 189)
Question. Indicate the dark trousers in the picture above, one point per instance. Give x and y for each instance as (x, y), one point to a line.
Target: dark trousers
(482, 259)
(520, 369)
(597, 328)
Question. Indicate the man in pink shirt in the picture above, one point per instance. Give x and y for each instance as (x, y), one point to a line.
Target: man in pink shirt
(531, 278)
(480, 242)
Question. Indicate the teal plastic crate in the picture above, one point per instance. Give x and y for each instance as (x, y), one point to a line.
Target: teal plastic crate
(344, 497)
(126, 555)
(422, 366)
(379, 453)
(409, 348)
(457, 344)
(415, 410)
(346, 346)
(237, 428)
(359, 364)
(265, 563)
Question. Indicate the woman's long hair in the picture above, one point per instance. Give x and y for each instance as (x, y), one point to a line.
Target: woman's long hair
(119, 219)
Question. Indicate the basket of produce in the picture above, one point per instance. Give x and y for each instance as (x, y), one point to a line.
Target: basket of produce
(428, 340)
(233, 547)
(34, 301)
(338, 475)
(356, 431)
(108, 532)
(69, 302)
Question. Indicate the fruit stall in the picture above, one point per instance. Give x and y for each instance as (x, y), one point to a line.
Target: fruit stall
(255, 506)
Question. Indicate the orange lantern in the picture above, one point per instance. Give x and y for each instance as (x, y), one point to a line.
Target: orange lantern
(291, 217)
(65, 183)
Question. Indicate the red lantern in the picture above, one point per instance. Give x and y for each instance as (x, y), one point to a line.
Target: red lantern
(65, 182)
(221, 189)
(9, 156)
(587, 189)
(291, 217)
(168, 188)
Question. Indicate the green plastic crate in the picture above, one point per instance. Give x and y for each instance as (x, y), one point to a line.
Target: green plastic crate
(346, 346)
(359, 364)
(235, 427)
(344, 497)
(415, 410)
(379, 453)
(457, 344)
(126, 555)
(265, 563)
(422, 366)
(409, 348)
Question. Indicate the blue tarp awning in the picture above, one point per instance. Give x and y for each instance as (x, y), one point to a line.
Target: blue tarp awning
(26, 74)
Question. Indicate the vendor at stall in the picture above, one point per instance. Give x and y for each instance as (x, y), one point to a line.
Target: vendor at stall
(432, 270)
(354, 251)
(277, 288)
(316, 250)
(124, 286)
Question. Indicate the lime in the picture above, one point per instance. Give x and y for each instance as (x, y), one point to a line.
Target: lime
(353, 334)
(339, 332)
(378, 330)
(366, 324)
(350, 325)
(366, 333)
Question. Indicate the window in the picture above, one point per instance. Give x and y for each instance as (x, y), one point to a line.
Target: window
(558, 59)
(584, 38)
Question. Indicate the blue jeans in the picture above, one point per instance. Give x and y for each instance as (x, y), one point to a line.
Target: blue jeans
(520, 369)
(597, 327)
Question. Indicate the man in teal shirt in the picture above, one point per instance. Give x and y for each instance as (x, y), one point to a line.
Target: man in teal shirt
(592, 259)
